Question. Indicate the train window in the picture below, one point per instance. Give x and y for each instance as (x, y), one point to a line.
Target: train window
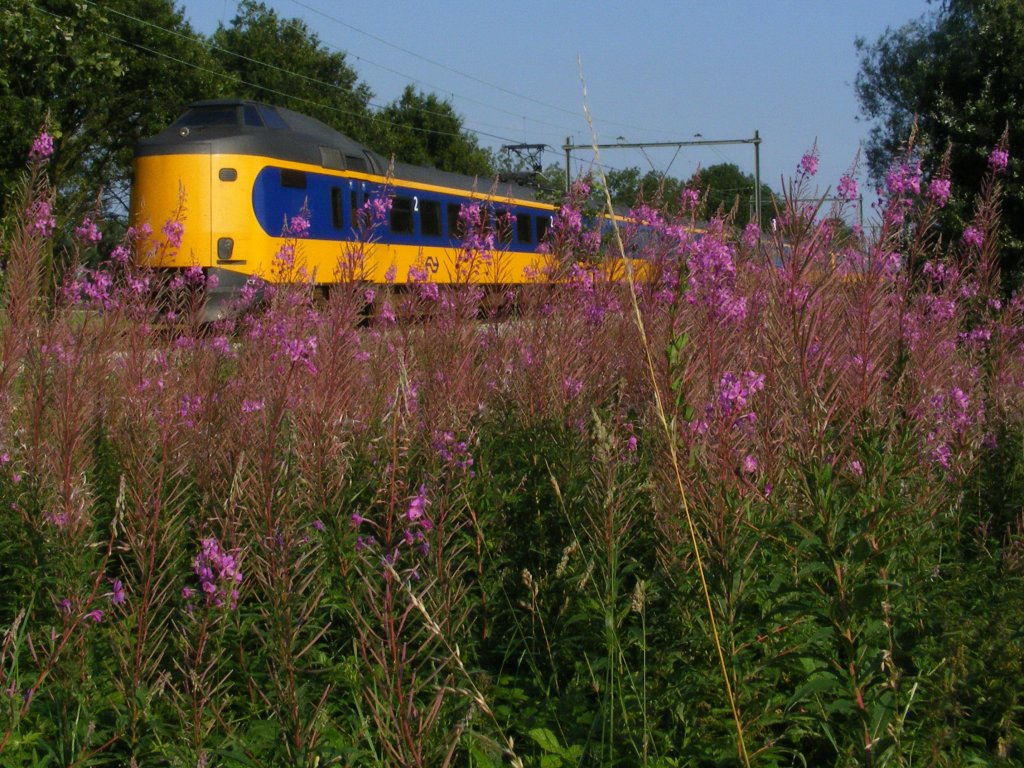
(455, 228)
(543, 223)
(524, 228)
(337, 208)
(356, 163)
(293, 179)
(430, 218)
(205, 117)
(251, 117)
(331, 158)
(503, 226)
(401, 215)
(227, 174)
(272, 119)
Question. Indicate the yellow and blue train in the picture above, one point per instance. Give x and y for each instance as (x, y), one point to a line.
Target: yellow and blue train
(234, 173)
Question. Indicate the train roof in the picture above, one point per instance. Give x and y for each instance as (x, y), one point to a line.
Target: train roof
(241, 126)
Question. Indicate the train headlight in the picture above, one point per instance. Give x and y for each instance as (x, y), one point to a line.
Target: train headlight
(225, 248)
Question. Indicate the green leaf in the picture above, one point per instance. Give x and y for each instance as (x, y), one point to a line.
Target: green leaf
(546, 740)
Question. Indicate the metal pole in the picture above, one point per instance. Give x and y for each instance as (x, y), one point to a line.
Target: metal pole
(756, 141)
(757, 177)
(568, 176)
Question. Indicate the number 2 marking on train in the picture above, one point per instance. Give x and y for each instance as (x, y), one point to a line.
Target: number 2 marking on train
(416, 204)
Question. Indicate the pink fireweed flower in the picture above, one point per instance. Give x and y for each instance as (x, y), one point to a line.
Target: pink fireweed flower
(712, 280)
(117, 595)
(87, 232)
(120, 255)
(689, 198)
(938, 191)
(808, 163)
(734, 393)
(95, 616)
(751, 234)
(252, 406)
(998, 160)
(749, 465)
(973, 237)
(219, 574)
(847, 188)
(299, 226)
(41, 218)
(173, 231)
(904, 179)
(418, 505)
(42, 147)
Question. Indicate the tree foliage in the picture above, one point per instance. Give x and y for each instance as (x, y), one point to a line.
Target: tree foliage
(424, 129)
(103, 76)
(725, 188)
(281, 61)
(958, 74)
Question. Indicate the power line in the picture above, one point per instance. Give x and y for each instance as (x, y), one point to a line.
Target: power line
(207, 44)
(239, 80)
(460, 73)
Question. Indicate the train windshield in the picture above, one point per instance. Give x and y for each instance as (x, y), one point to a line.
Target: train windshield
(208, 117)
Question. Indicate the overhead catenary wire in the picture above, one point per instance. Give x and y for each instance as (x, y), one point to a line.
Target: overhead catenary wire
(232, 78)
(458, 72)
(209, 45)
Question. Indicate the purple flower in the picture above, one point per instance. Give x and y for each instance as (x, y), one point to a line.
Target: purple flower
(417, 506)
(751, 234)
(42, 147)
(973, 237)
(689, 198)
(998, 160)
(749, 465)
(847, 188)
(318, 525)
(117, 596)
(903, 179)
(41, 218)
(252, 406)
(88, 233)
(808, 163)
(938, 191)
(218, 572)
(173, 233)
(299, 226)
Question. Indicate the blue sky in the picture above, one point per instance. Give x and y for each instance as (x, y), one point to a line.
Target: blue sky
(653, 71)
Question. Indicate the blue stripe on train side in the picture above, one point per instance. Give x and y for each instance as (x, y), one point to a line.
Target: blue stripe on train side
(277, 196)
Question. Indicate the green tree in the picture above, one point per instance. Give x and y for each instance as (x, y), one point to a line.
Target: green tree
(423, 129)
(629, 188)
(281, 61)
(724, 187)
(105, 75)
(958, 72)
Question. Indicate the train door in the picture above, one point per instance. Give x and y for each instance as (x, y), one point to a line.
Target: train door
(231, 214)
